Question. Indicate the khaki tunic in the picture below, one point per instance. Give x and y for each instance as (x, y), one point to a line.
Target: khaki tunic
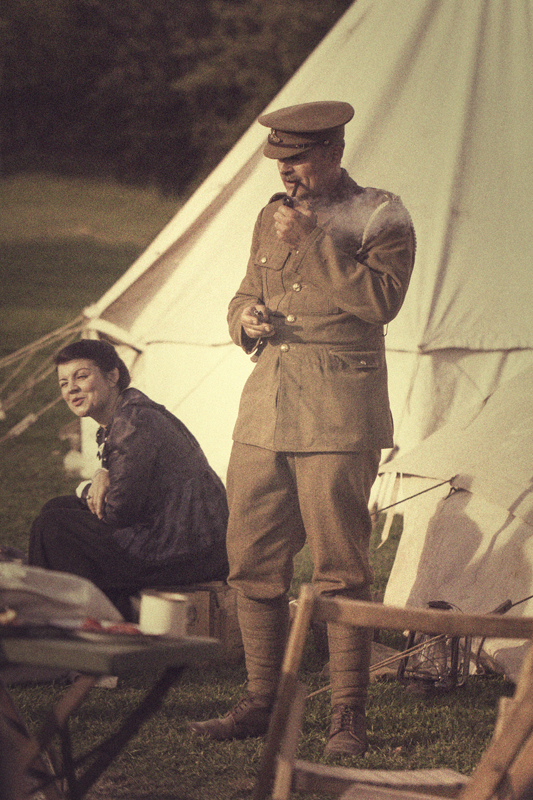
(320, 383)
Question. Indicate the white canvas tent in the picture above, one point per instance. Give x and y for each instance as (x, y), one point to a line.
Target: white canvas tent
(443, 92)
(472, 547)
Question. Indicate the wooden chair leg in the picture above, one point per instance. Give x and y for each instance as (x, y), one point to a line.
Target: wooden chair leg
(287, 687)
(510, 736)
(289, 746)
(519, 778)
(505, 708)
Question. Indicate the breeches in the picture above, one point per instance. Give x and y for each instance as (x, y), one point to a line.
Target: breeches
(278, 501)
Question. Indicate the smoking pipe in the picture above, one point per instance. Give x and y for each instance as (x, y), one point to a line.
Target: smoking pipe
(288, 201)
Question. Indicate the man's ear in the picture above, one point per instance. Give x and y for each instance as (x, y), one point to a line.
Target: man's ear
(335, 153)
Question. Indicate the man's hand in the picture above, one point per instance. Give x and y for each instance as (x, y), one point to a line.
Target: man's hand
(97, 492)
(254, 320)
(293, 225)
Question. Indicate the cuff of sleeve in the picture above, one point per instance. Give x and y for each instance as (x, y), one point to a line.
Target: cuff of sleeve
(249, 345)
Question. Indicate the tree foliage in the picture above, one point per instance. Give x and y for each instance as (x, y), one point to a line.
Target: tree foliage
(152, 93)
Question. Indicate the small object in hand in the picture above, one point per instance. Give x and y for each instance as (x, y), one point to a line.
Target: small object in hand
(259, 314)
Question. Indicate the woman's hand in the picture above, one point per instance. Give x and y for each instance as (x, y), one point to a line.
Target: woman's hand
(97, 492)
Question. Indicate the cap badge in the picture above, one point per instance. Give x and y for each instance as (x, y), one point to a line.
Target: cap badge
(274, 138)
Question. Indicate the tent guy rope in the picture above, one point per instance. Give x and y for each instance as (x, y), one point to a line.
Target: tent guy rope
(405, 499)
(20, 360)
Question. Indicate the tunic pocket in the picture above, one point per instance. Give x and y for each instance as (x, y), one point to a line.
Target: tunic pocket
(273, 257)
(357, 359)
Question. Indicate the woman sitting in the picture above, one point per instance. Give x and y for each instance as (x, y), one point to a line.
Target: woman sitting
(155, 513)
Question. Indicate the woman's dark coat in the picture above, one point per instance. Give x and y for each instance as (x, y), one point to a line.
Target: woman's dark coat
(165, 502)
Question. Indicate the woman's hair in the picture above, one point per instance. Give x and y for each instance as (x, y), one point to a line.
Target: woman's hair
(102, 353)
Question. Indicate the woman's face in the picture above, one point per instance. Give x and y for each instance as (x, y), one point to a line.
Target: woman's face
(87, 391)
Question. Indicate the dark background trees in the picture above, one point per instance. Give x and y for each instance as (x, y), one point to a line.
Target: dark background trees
(147, 93)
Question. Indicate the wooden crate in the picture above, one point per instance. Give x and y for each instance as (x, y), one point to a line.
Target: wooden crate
(214, 613)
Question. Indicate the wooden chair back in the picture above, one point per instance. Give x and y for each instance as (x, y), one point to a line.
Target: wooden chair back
(507, 761)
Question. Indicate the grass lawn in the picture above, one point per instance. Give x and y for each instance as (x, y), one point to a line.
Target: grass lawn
(66, 243)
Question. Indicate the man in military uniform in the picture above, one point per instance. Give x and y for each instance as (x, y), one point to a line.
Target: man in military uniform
(329, 267)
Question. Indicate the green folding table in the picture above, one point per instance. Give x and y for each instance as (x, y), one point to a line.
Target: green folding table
(92, 656)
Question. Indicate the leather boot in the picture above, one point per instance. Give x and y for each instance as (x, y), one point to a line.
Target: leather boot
(348, 731)
(250, 717)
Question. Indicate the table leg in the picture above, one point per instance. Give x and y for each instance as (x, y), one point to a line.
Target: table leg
(18, 740)
(107, 751)
(30, 747)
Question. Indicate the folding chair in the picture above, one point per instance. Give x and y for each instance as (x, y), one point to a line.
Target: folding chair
(505, 769)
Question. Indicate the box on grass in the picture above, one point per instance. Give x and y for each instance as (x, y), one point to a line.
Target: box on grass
(214, 613)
